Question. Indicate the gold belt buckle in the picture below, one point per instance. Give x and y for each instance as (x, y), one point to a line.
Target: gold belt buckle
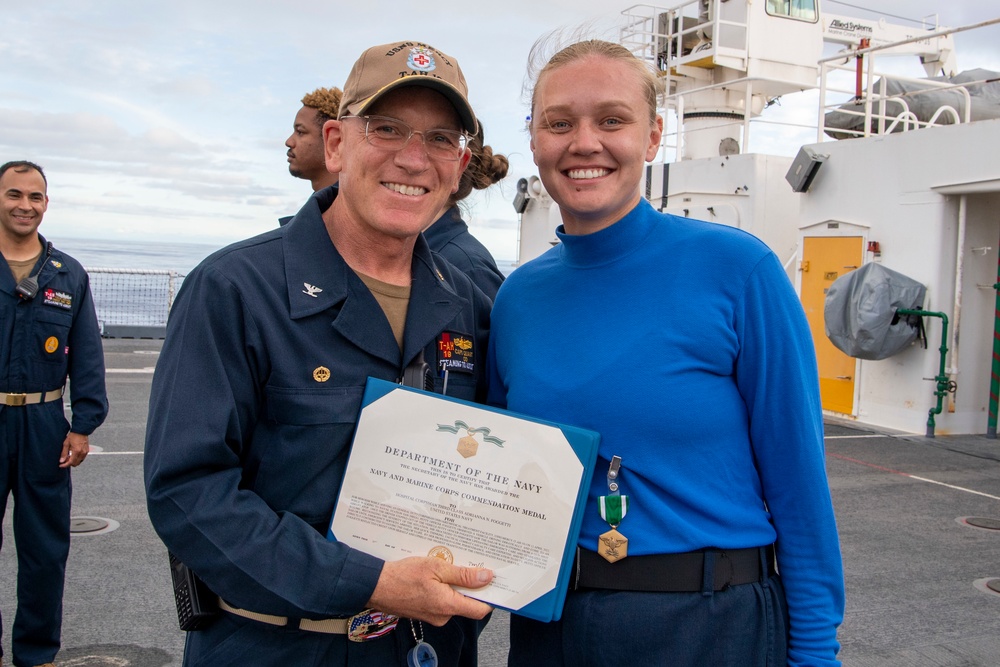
(16, 400)
(370, 624)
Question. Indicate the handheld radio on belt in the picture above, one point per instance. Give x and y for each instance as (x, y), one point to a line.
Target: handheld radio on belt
(197, 605)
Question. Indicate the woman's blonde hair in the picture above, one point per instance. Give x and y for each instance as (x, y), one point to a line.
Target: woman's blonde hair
(587, 48)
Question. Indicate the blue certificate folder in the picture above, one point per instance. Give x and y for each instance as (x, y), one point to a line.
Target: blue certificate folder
(549, 606)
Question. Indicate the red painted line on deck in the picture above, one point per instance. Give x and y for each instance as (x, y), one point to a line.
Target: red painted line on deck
(913, 477)
(870, 465)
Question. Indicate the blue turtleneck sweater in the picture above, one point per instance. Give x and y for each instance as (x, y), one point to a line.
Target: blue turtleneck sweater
(684, 345)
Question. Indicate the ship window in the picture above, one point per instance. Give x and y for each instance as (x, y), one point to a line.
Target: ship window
(804, 10)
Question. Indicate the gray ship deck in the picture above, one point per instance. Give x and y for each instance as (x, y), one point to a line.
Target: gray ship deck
(917, 574)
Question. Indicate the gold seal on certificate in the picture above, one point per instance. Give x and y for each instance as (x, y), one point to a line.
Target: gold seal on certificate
(468, 446)
(510, 497)
(443, 553)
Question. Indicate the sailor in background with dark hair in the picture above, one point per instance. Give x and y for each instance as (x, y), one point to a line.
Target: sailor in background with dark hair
(50, 332)
(449, 236)
(305, 154)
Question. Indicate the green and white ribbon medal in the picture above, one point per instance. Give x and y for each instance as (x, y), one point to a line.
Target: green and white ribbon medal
(612, 545)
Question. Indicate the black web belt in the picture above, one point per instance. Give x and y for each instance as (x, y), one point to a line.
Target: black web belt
(695, 571)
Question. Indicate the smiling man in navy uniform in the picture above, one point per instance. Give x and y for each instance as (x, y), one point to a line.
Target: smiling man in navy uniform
(260, 380)
(49, 331)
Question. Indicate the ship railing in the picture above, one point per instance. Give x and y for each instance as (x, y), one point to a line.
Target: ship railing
(883, 111)
(673, 137)
(693, 32)
(873, 94)
(639, 33)
(133, 303)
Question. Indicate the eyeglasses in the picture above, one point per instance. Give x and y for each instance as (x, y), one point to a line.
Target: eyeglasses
(394, 135)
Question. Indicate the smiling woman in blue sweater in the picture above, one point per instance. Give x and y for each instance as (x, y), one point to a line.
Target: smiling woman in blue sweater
(683, 343)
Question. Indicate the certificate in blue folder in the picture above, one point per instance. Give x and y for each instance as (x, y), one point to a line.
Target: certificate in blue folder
(431, 475)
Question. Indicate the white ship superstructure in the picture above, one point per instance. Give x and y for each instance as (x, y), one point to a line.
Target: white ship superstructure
(913, 184)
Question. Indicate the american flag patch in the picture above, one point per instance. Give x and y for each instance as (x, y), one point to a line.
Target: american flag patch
(370, 624)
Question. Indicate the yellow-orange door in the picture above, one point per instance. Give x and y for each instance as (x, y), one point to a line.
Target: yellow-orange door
(824, 259)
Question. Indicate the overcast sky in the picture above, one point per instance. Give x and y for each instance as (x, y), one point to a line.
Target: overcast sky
(166, 121)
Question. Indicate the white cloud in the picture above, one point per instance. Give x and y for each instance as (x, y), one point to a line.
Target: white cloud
(168, 119)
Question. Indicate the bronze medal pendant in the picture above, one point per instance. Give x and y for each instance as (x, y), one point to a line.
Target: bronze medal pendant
(612, 545)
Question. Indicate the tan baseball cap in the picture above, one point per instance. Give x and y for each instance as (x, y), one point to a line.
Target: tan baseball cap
(391, 66)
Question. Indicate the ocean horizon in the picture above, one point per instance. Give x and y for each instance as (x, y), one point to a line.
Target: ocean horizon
(130, 254)
(134, 298)
(153, 255)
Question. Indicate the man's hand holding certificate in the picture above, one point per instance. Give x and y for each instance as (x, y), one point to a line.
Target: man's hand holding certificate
(432, 476)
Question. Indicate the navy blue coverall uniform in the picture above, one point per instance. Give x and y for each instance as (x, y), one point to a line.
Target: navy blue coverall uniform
(45, 339)
(449, 237)
(252, 412)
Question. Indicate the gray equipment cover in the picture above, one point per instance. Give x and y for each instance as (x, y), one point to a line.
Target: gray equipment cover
(860, 312)
(984, 99)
